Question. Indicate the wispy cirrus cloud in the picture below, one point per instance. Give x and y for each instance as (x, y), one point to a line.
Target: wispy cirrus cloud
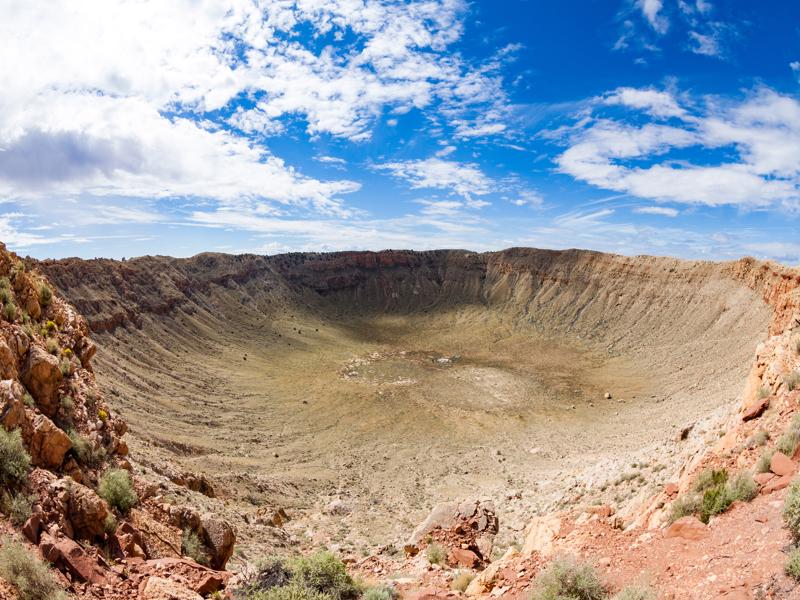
(464, 179)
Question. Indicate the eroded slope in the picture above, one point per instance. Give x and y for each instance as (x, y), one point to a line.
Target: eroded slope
(397, 379)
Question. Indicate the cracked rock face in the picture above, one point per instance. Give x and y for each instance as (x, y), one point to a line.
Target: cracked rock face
(42, 376)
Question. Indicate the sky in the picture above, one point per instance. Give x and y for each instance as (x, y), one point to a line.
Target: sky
(663, 127)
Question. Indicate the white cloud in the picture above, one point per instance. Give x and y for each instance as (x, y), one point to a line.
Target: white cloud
(707, 44)
(764, 130)
(528, 198)
(795, 67)
(662, 211)
(651, 9)
(111, 98)
(655, 102)
(464, 179)
(331, 160)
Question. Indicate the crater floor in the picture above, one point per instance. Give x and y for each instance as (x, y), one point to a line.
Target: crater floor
(408, 387)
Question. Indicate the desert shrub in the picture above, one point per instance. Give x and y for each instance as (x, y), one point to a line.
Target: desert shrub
(759, 438)
(110, 523)
(51, 345)
(67, 403)
(710, 478)
(20, 509)
(30, 577)
(435, 554)
(684, 506)
(5, 283)
(323, 572)
(85, 451)
(66, 367)
(792, 567)
(565, 578)
(714, 493)
(116, 488)
(792, 380)
(762, 466)
(192, 547)
(5, 296)
(45, 294)
(102, 414)
(49, 328)
(462, 580)
(635, 592)
(270, 573)
(787, 443)
(10, 311)
(28, 400)
(791, 509)
(742, 487)
(763, 392)
(14, 459)
(380, 592)
(293, 591)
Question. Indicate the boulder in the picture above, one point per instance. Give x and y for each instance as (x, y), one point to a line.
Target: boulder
(220, 538)
(472, 522)
(47, 444)
(687, 528)
(160, 540)
(485, 580)
(782, 465)
(42, 376)
(69, 557)
(763, 479)
(127, 542)
(32, 527)
(777, 483)
(12, 407)
(85, 510)
(8, 361)
(160, 588)
(755, 408)
(540, 535)
(460, 557)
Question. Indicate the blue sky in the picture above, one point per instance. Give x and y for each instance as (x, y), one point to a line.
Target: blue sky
(667, 127)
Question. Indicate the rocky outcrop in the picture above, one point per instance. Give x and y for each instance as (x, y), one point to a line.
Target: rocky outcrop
(469, 525)
(47, 444)
(42, 376)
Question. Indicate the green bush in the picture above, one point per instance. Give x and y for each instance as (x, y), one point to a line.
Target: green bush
(435, 554)
(323, 572)
(787, 443)
(684, 506)
(20, 509)
(45, 294)
(792, 380)
(764, 461)
(10, 311)
(381, 592)
(85, 451)
(14, 459)
(116, 488)
(792, 567)
(791, 509)
(635, 592)
(293, 591)
(30, 577)
(714, 493)
(52, 346)
(192, 547)
(566, 579)
(759, 438)
(763, 392)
